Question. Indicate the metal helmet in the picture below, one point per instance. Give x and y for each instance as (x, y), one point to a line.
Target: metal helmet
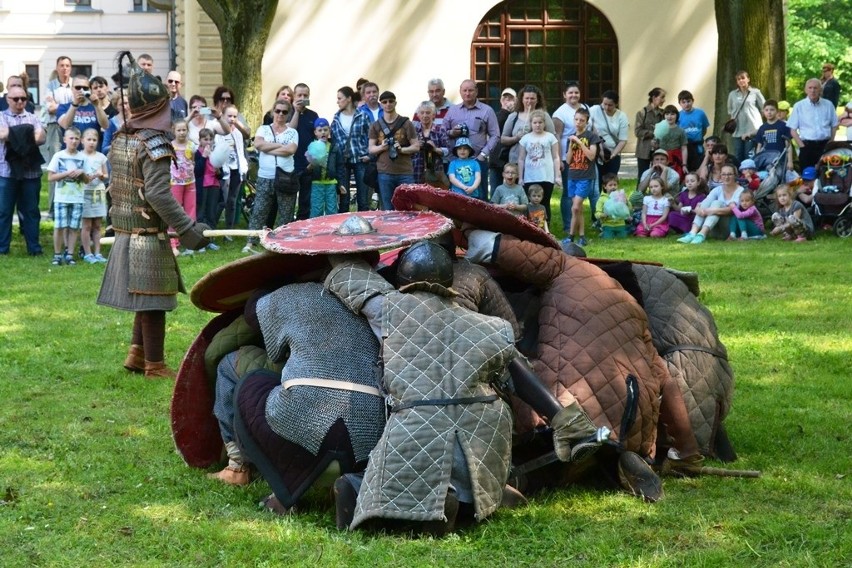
(425, 262)
(145, 92)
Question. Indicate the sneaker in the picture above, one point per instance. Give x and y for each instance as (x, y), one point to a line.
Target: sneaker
(743, 238)
(731, 237)
(757, 237)
(213, 247)
(567, 240)
(801, 239)
(248, 249)
(90, 259)
(697, 240)
(57, 260)
(69, 260)
(201, 250)
(687, 238)
(100, 258)
(582, 242)
(187, 252)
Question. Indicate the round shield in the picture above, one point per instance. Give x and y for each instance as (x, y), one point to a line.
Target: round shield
(467, 209)
(228, 287)
(195, 429)
(338, 234)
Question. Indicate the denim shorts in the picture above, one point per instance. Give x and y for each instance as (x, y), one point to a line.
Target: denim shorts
(579, 188)
(67, 215)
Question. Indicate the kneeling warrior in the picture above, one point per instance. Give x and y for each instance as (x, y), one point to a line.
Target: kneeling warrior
(448, 437)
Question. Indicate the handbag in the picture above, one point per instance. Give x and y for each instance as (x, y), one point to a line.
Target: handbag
(285, 182)
(605, 152)
(730, 125)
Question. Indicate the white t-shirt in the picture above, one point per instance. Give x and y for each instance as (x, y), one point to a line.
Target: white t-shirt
(266, 163)
(655, 206)
(194, 129)
(538, 163)
(67, 191)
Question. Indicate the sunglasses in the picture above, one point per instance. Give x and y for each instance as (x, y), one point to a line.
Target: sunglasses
(281, 111)
(387, 102)
(172, 81)
(81, 87)
(225, 99)
(18, 99)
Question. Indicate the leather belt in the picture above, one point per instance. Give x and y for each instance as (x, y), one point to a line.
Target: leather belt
(331, 384)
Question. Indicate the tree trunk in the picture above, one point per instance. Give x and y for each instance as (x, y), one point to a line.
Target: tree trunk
(751, 37)
(244, 29)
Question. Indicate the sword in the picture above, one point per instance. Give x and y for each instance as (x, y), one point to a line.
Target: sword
(207, 233)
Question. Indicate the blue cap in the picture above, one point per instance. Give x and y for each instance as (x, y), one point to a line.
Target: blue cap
(809, 173)
(320, 122)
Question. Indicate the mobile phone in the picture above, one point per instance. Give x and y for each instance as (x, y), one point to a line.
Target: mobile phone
(205, 111)
(306, 102)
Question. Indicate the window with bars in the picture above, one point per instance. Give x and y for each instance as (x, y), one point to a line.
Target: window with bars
(544, 43)
(79, 3)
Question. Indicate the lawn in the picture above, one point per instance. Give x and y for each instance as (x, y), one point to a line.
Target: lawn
(89, 474)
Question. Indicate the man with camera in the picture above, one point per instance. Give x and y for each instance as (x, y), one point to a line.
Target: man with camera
(660, 168)
(80, 112)
(476, 121)
(392, 140)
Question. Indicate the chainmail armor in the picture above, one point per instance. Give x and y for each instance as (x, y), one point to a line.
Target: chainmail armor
(325, 341)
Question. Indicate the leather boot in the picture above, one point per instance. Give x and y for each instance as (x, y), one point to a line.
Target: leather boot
(233, 475)
(135, 360)
(158, 370)
(345, 497)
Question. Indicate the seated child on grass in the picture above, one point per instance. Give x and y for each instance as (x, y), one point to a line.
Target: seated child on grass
(791, 220)
(655, 211)
(746, 221)
(612, 209)
(683, 206)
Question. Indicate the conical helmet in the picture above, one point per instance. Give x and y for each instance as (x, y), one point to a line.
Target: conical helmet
(145, 93)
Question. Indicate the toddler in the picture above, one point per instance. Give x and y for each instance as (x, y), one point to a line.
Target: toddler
(791, 219)
(746, 219)
(94, 197)
(464, 172)
(683, 207)
(748, 175)
(67, 169)
(509, 195)
(612, 210)
(655, 211)
(536, 212)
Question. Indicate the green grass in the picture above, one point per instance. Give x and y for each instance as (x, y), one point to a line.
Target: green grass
(89, 475)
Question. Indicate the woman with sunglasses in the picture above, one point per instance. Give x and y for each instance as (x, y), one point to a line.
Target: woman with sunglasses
(275, 143)
(223, 97)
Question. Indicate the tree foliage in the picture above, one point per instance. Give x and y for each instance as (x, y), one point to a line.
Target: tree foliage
(818, 31)
(244, 29)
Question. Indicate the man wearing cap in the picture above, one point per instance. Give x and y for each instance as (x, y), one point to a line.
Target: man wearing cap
(660, 168)
(21, 133)
(476, 121)
(142, 274)
(830, 86)
(392, 141)
(495, 163)
(303, 121)
(812, 124)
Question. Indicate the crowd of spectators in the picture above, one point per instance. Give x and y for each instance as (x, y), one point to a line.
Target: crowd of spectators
(467, 147)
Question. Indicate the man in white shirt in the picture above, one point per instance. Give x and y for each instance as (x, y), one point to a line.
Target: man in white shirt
(812, 123)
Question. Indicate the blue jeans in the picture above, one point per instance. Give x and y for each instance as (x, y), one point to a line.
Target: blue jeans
(362, 192)
(742, 148)
(388, 183)
(22, 194)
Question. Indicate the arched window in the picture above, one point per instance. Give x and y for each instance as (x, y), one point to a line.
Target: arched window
(544, 43)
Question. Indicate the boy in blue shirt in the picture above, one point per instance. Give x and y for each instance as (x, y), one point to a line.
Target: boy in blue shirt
(774, 135)
(695, 123)
(464, 172)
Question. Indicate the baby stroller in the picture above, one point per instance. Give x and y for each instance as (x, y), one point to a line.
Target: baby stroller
(833, 186)
(774, 163)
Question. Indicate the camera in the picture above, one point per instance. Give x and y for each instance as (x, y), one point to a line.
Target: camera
(393, 153)
(464, 130)
(205, 111)
(86, 94)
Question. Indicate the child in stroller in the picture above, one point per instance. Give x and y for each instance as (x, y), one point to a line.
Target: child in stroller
(833, 189)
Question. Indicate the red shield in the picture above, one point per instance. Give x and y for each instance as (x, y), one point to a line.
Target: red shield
(467, 209)
(321, 235)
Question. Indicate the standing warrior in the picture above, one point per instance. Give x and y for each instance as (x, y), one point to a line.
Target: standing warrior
(142, 275)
